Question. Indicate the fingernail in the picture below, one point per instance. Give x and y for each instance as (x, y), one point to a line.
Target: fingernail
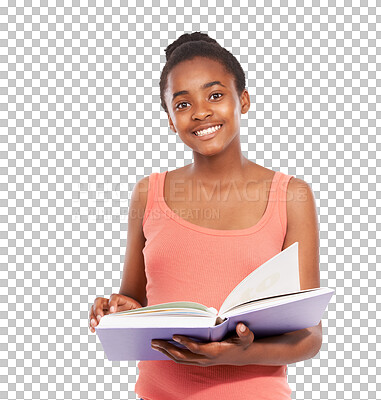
(112, 309)
(242, 328)
(99, 318)
(93, 322)
(176, 339)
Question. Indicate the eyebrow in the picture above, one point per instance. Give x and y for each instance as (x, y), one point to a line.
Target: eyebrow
(206, 85)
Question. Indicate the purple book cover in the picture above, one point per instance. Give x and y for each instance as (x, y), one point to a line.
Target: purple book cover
(122, 344)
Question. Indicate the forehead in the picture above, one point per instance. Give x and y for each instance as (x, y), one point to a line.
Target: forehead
(192, 74)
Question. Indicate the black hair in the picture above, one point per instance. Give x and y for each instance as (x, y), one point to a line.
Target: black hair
(189, 46)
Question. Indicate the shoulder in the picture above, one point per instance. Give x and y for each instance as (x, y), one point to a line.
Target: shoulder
(141, 187)
(299, 190)
(300, 201)
(139, 196)
(140, 191)
(142, 184)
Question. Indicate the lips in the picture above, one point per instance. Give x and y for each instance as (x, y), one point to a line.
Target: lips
(203, 127)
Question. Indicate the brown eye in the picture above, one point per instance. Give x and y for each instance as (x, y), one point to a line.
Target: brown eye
(184, 102)
(215, 94)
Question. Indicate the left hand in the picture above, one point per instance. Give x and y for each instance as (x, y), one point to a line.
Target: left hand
(229, 351)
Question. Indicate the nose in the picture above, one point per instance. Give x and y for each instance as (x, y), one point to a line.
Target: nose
(201, 111)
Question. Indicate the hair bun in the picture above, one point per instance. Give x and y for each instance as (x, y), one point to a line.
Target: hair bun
(186, 38)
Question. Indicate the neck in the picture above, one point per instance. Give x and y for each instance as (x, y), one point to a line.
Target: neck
(224, 166)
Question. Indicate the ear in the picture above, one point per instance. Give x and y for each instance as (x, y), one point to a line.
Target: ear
(172, 127)
(245, 101)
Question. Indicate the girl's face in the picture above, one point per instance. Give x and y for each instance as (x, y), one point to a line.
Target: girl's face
(201, 94)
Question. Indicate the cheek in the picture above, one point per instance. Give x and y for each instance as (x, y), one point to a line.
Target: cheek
(180, 119)
(231, 108)
(237, 111)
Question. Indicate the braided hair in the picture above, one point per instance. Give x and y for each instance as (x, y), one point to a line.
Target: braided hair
(189, 46)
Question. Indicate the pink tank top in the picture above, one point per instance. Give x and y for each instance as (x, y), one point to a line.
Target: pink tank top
(187, 262)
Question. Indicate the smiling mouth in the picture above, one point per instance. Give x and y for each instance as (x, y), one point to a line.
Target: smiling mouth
(207, 131)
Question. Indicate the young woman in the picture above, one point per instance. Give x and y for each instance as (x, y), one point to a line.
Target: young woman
(195, 232)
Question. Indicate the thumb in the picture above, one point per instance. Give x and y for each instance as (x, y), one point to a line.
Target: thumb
(242, 329)
(244, 332)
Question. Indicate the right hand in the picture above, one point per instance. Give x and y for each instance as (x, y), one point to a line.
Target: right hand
(103, 306)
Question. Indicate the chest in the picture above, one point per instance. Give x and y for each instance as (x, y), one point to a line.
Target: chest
(233, 206)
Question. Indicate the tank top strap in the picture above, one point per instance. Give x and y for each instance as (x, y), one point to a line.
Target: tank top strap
(281, 198)
(152, 194)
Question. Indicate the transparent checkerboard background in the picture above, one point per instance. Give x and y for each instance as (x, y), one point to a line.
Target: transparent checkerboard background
(81, 123)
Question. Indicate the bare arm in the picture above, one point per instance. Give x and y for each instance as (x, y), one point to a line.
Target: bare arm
(302, 227)
(134, 279)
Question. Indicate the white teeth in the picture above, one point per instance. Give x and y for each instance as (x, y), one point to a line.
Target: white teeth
(208, 131)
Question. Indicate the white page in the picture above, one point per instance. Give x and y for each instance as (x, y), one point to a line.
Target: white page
(272, 301)
(175, 304)
(163, 311)
(276, 276)
(156, 321)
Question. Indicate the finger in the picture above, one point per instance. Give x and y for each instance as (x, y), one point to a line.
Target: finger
(91, 313)
(115, 299)
(118, 302)
(93, 323)
(92, 320)
(99, 306)
(182, 356)
(207, 350)
(245, 334)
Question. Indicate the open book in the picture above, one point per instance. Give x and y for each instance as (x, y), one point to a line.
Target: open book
(269, 301)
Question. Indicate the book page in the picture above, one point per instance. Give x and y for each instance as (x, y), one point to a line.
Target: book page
(170, 306)
(279, 275)
(282, 299)
(178, 320)
(161, 311)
